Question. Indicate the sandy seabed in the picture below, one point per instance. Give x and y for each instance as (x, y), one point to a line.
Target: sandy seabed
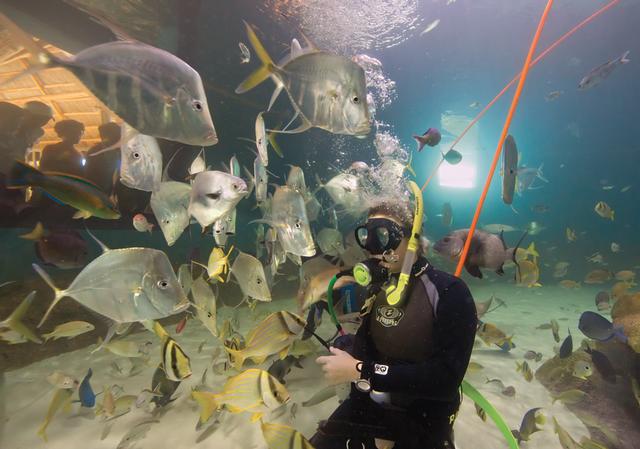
(26, 394)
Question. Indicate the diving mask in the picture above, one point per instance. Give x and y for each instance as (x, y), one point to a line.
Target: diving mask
(379, 235)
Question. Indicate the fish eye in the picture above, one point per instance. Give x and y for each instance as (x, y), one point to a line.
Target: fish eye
(136, 155)
(258, 281)
(163, 284)
(197, 106)
(166, 221)
(446, 239)
(298, 224)
(235, 186)
(355, 99)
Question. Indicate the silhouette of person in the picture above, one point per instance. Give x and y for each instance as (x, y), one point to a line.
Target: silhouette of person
(62, 156)
(36, 116)
(10, 119)
(100, 168)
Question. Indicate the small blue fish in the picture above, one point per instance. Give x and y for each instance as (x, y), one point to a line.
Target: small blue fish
(506, 345)
(87, 396)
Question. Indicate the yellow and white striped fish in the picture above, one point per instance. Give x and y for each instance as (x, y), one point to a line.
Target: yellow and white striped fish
(279, 436)
(175, 362)
(254, 390)
(273, 335)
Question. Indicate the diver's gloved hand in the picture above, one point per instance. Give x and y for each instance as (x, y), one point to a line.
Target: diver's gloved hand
(339, 367)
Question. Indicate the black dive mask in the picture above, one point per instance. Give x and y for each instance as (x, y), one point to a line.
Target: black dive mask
(379, 235)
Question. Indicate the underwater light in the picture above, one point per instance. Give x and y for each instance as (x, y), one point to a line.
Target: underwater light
(461, 176)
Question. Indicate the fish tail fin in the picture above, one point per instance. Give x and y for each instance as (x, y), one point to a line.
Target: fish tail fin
(613, 215)
(261, 73)
(15, 319)
(420, 143)
(42, 431)
(207, 402)
(624, 58)
(237, 355)
(22, 175)
(59, 294)
(271, 137)
(36, 234)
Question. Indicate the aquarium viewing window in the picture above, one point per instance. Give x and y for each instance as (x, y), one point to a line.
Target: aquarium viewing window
(461, 176)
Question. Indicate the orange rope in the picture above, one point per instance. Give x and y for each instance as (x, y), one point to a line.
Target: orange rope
(533, 63)
(503, 136)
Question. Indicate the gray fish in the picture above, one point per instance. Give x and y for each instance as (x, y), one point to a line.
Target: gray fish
(260, 180)
(289, 217)
(141, 163)
(321, 396)
(220, 233)
(447, 215)
(184, 278)
(603, 300)
(205, 302)
(125, 285)
(295, 179)
(486, 250)
(595, 326)
(62, 248)
(249, 273)
(330, 242)
(136, 433)
(345, 190)
(600, 73)
(327, 91)
(529, 424)
(154, 91)
(509, 169)
(170, 203)
(214, 194)
(280, 368)
(526, 176)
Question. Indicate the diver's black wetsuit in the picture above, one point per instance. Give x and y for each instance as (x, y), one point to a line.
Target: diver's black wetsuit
(419, 357)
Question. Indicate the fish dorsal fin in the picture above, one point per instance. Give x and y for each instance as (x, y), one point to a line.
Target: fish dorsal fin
(165, 172)
(296, 48)
(104, 247)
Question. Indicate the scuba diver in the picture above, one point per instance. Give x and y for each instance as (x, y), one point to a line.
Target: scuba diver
(409, 356)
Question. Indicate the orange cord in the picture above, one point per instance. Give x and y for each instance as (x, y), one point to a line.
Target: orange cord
(548, 50)
(503, 136)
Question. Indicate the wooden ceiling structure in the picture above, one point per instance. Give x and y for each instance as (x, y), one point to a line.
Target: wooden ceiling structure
(56, 87)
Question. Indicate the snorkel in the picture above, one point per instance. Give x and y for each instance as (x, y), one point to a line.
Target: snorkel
(396, 293)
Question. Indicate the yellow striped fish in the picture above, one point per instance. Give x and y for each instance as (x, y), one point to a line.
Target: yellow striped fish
(175, 362)
(274, 334)
(279, 436)
(253, 390)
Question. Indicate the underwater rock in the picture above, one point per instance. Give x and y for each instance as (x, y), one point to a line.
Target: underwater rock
(609, 410)
(626, 313)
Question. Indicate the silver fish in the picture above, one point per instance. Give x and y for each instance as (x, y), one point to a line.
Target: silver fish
(260, 179)
(261, 140)
(125, 285)
(214, 194)
(205, 302)
(141, 163)
(184, 277)
(198, 164)
(289, 218)
(312, 205)
(249, 273)
(330, 242)
(154, 91)
(327, 91)
(344, 189)
(136, 433)
(169, 204)
(220, 233)
(295, 179)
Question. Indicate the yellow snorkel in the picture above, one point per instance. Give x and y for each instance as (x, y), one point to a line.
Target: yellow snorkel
(395, 293)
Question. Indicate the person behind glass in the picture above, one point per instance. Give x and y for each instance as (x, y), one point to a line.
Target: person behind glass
(407, 360)
(63, 157)
(100, 168)
(11, 116)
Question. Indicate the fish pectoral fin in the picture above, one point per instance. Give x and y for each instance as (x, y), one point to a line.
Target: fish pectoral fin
(82, 214)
